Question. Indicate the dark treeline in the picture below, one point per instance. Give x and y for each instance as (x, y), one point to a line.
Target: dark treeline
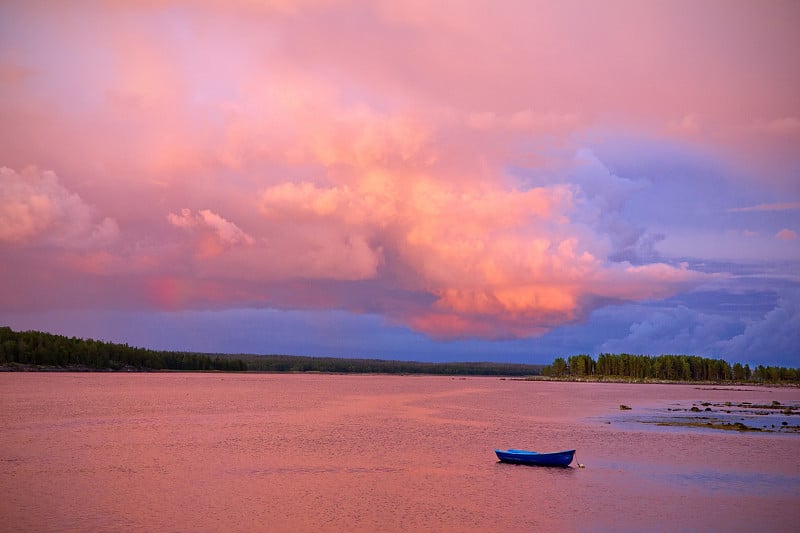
(292, 363)
(34, 348)
(667, 367)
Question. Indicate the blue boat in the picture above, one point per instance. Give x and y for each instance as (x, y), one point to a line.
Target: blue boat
(524, 457)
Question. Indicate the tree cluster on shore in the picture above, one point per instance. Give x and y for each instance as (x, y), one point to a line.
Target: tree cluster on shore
(45, 350)
(667, 368)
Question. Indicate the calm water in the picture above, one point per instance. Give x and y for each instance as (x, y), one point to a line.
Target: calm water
(224, 452)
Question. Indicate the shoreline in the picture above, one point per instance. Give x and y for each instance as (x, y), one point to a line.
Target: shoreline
(652, 381)
(707, 385)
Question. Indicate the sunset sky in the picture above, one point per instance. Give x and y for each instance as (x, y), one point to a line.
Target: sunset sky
(454, 180)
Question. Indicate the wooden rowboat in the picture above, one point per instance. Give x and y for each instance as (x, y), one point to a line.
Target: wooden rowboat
(525, 457)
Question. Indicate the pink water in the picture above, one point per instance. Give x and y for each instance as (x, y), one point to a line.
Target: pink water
(226, 452)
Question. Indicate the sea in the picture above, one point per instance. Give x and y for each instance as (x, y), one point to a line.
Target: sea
(213, 452)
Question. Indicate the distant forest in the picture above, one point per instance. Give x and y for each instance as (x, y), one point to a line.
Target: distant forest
(666, 367)
(294, 363)
(35, 350)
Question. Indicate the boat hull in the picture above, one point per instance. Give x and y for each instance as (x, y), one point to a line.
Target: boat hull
(524, 457)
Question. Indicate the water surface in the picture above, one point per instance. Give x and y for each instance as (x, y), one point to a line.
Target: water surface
(276, 452)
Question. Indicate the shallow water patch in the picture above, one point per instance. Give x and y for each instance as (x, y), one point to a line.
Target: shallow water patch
(742, 417)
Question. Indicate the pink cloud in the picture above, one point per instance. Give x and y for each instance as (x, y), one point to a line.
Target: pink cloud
(786, 235)
(510, 260)
(215, 234)
(779, 126)
(226, 231)
(35, 207)
(330, 150)
(13, 73)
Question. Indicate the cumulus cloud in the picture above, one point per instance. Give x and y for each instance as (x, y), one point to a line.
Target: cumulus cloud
(223, 233)
(774, 337)
(36, 208)
(679, 330)
(362, 178)
(751, 326)
(307, 200)
(786, 235)
(227, 231)
(498, 262)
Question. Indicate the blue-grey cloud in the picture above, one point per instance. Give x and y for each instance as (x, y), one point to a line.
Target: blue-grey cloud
(678, 330)
(775, 337)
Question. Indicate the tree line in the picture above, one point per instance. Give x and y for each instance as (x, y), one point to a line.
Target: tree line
(298, 363)
(34, 349)
(38, 349)
(666, 367)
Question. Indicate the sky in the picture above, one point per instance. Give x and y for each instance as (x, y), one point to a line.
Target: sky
(404, 179)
